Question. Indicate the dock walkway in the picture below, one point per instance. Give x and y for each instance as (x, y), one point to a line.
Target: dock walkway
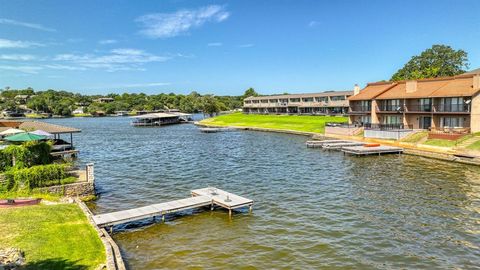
(363, 151)
(200, 198)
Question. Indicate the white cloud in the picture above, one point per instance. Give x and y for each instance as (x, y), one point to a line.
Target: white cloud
(17, 57)
(115, 60)
(24, 69)
(63, 67)
(7, 43)
(313, 23)
(165, 25)
(25, 24)
(246, 45)
(214, 44)
(107, 41)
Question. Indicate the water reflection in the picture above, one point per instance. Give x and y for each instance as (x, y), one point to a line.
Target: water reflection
(313, 209)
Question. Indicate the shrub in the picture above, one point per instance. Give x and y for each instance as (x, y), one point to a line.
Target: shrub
(25, 155)
(37, 176)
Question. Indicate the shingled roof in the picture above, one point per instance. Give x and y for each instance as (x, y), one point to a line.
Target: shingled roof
(50, 128)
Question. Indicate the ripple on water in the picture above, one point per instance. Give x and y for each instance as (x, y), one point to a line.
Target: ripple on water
(313, 209)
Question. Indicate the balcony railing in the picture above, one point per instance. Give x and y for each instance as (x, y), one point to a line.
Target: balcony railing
(360, 108)
(390, 108)
(419, 108)
(452, 108)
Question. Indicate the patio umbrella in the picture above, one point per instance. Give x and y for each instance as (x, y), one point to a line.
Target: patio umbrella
(11, 131)
(42, 133)
(25, 137)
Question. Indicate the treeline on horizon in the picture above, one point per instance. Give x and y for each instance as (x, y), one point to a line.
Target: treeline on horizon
(437, 61)
(63, 103)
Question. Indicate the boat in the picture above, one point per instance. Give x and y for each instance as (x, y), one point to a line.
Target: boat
(18, 202)
(215, 129)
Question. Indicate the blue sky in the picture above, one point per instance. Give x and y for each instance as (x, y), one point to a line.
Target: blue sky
(223, 47)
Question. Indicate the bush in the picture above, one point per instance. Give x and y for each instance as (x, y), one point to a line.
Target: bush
(37, 176)
(25, 155)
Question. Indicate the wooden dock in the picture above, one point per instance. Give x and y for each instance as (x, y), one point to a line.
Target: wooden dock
(340, 145)
(200, 198)
(378, 150)
(318, 144)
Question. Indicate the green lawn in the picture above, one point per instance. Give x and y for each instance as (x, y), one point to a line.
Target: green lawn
(440, 142)
(284, 122)
(474, 146)
(52, 237)
(416, 137)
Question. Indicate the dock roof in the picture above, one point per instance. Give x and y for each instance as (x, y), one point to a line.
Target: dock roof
(155, 115)
(48, 127)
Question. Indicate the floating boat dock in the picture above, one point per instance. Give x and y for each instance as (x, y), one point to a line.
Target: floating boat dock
(378, 150)
(354, 147)
(318, 144)
(200, 198)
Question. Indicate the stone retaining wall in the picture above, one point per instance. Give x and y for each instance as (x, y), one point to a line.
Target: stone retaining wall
(79, 189)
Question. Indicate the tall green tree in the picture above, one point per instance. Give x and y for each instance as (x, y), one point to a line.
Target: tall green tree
(437, 61)
(250, 92)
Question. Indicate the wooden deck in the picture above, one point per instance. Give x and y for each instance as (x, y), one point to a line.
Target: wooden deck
(200, 198)
(362, 150)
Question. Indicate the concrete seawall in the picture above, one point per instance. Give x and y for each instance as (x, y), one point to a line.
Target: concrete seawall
(439, 153)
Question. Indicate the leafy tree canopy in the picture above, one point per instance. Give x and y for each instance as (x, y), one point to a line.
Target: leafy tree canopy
(437, 61)
(250, 92)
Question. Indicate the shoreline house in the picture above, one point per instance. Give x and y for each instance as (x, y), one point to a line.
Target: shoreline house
(325, 103)
(440, 105)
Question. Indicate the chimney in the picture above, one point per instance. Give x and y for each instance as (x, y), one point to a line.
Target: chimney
(356, 90)
(476, 82)
(411, 86)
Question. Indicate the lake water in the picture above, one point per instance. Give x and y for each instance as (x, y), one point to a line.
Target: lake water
(313, 209)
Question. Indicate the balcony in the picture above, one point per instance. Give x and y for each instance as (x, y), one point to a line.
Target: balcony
(418, 108)
(389, 108)
(452, 108)
(360, 109)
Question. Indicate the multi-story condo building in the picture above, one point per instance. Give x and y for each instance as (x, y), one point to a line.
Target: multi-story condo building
(440, 104)
(326, 103)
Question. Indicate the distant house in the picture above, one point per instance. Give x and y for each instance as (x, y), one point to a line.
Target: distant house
(103, 100)
(79, 110)
(22, 99)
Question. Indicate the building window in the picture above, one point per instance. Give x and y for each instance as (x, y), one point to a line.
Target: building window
(322, 99)
(366, 119)
(392, 119)
(264, 101)
(391, 105)
(455, 104)
(307, 99)
(273, 100)
(451, 122)
(247, 102)
(337, 98)
(294, 100)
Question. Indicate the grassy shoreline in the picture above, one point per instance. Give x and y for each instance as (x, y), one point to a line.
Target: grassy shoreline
(315, 124)
(52, 236)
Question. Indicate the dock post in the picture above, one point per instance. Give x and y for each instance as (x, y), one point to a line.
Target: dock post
(111, 229)
(250, 209)
(230, 213)
(211, 206)
(163, 218)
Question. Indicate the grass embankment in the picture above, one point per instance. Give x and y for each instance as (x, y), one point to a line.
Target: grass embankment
(284, 122)
(52, 237)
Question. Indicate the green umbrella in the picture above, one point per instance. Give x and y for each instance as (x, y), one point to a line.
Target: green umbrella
(25, 137)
